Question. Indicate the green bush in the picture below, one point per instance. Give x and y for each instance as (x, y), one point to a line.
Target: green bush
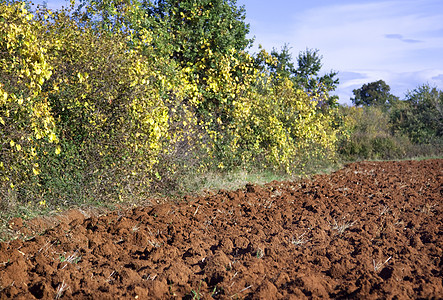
(420, 115)
(370, 135)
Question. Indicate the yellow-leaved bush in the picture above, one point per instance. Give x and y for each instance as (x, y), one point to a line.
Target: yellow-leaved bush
(105, 97)
(93, 113)
(282, 128)
(250, 120)
(26, 121)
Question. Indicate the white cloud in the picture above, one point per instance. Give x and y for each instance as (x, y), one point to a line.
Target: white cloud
(355, 35)
(398, 41)
(438, 79)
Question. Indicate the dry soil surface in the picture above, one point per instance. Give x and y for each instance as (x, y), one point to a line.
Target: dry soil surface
(372, 230)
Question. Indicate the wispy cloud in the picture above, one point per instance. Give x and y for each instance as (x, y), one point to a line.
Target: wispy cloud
(355, 34)
(396, 41)
(400, 37)
(399, 41)
(438, 78)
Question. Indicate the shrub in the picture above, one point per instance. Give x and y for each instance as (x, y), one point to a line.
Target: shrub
(93, 109)
(420, 116)
(370, 135)
(108, 106)
(26, 120)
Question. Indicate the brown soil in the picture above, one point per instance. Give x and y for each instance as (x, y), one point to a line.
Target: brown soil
(372, 230)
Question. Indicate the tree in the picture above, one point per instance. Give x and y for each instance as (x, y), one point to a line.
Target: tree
(284, 66)
(191, 25)
(420, 116)
(196, 25)
(373, 94)
(306, 75)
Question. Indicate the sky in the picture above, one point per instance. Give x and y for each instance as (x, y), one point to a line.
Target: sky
(398, 41)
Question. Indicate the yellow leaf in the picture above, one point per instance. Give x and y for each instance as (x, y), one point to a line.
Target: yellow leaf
(35, 171)
(5, 96)
(52, 137)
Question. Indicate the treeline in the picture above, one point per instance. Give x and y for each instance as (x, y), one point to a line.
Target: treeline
(109, 100)
(381, 126)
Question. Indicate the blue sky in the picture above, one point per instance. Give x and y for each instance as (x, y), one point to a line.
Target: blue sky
(399, 41)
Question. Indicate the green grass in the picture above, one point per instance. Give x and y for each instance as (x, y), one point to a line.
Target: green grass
(28, 211)
(214, 181)
(416, 158)
(425, 157)
(190, 184)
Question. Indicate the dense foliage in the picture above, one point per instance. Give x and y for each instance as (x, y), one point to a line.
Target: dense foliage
(373, 93)
(26, 121)
(384, 127)
(420, 116)
(111, 100)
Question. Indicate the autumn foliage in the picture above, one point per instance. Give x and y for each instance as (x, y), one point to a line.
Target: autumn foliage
(107, 99)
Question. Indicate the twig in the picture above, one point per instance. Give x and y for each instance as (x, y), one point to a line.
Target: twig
(196, 210)
(73, 258)
(300, 239)
(60, 290)
(378, 266)
(248, 287)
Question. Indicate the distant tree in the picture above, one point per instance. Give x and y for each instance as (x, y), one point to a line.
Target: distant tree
(309, 63)
(420, 116)
(376, 93)
(309, 66)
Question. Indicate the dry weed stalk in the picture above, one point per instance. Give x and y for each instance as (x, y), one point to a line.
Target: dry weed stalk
(378, 266)
(60, 290)
(73, 258)
(300, 240)
(383, 210)
(340, 228)
(246, 288)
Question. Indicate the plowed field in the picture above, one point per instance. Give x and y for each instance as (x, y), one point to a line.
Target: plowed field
(372, 230)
